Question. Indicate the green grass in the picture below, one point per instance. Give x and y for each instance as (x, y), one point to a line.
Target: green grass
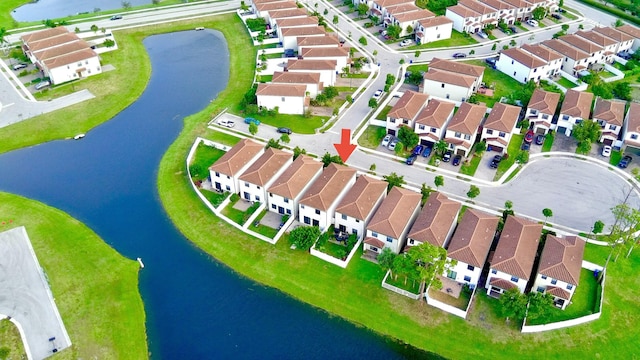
(503, 84)
(470, 169)
(457, 39)
(95, 288)
(418, 68)
(410, 286)
(204, 157)
(512, 150)
(372, 137)
(297, 123)
(215, 198)
(10, 338)
(615, 158)
(548, 142)
(461, 302)
(606, 74)
(264, 78)
(222, 138)
(566, 83)
(382, 115)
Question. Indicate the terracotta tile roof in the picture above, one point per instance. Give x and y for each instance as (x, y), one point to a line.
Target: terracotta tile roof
(386, 3)
(279, 5)
(71, 58)
(577, 104)
(61, 50)
(545, 102)
(375, 242)
(498, 5)
(561, 258)
(521, 4)
(517, 247)
(414, 15)
(266, 166)
(237, 157)
(295, 78)
(463, 11)
(52, 41)
(632, 31)
(394, 214)
(296, 177)
(359, 202)
(467, 119)
(281, 14)
(435, 220)
(436, 113)
(402, 8)
(612, 33)
(596, 38)
(281, 90)
(477, 6)
(295, 64)
(502, 283)
(611, 111)
(315, 52)
(43, 34)
(299, 21)
(523, 58)
(542, 52)
(408, 106)
(558, 292)
(301, 31)
(435, 21)
(449, 78)
(565, 49)
(456, 67)
(318, 40)
(325, 190)
(633, 117)
(581, 43)
(503, 117)
(472, 239)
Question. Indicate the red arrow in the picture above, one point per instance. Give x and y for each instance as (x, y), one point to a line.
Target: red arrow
(345, 148)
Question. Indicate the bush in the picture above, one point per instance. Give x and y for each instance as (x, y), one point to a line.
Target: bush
(303, 237)
(234, 197)
(368, 25)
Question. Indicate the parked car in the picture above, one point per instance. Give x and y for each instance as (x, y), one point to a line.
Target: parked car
(513, 29)
(483, 34)
(491, 61)
(606, 150)
(392, 144)
(447, 156)
(539, 139)
(225, 122)
(289, 53)
(556, 16)
(528, 137)
(19, 66)
(406, 42)
(284, 130)
(43, 84)
(459, 55)
(626, 160)
(249, 120)
(378, 94)
(116, 17)
(525, 146)
(495, 161)
(411, 159)
(386, 140)
(417, 150)
(427, 151)
(456, 160)
(532, 22)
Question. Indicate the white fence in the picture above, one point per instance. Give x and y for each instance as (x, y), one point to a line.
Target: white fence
(619, 75)
(328, 258)
(573, 322)
(448, 308)
(397, 289)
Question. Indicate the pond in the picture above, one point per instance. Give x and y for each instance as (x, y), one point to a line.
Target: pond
(53, 9)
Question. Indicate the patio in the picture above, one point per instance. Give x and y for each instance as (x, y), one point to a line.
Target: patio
(450, 287)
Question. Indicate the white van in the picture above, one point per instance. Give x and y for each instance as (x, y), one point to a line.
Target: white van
(532, 22)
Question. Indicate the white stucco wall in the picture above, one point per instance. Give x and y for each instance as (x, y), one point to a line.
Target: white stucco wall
(447, 91)
(521, 283)
(285, 104)
(68, 72)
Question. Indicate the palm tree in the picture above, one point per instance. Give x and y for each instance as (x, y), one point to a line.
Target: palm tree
(547, 213)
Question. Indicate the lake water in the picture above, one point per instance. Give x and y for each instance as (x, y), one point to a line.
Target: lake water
(196, 308)
(53, 9)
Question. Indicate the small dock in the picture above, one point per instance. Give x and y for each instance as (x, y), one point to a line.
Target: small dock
(141, 263)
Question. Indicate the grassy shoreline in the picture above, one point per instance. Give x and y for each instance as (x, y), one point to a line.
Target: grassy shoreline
(96, 288)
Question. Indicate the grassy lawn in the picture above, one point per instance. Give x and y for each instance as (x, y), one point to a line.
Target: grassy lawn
(615, 158)
(502, 83)
(222, 138)
(263, 229)
(204, 157)
(372, 137)
(457, 39)
(472, 166)
(215, 198)
(418, 68)
(297, 123)
(606, 74)
(548, 142)
(264, 78)
(461, 302)
(512, 150)
(382, 115)
(410, 286)
(565, 83)
(95, 288)
(10, 338)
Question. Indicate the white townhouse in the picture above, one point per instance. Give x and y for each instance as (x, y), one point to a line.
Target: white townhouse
(317, 205)
(470, 246)
(287, 98)
(576, 108)
(633, 32)
(379, 7)
(229, 167)
(432, 120)
(464, 19)
(463, 128)
(286, 191)
(559, 269)
(358, 206)
(433, 29)
(389, 226)
(262, 173)
(305, 42)
(436, 221)
(521, 65)
(514, 256)
(608, 45)
(632, 129)
(277, 15)
(289, 36)
(609, 114)
(310, 80)
(451, 80)
(522, 8)
(326, 69)
(541, 110)
(499, 126)
(281, 24)
(552, 59)
(338, 54)
(506, 11)
(624, 41)
(409, 20)
(405, 111)
(596, 52)
(575, 60)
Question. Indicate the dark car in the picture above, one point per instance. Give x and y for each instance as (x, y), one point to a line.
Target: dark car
(447, 156)
(491, 61)
(513, 29)
(411, 159)
(539, 139)
(626, 160)
(289, 53)
(284, 130)
(556, 16)
(495, 161)
(427, 151)
(459, 55)
(417, 150)
(249, 120)
(525, 146)
(116, 17)
(528, 137)
(456, 160)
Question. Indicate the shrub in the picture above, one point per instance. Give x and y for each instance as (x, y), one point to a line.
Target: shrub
(234, 197)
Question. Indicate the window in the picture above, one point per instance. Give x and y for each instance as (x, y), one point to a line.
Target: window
(421, 127)
(288, 211)
(502, 134)
(344, 217)
(565, 117)
(357, 221)
(569, 286)
(554, 281)
(246, 184)
(317, 211)
(307, 220)
(301, 206)
(217, 174)
(489, 131)
(534, 70)
(514, 73)
(452, 274)
(470, 267)
(511, 62)
(467, 137)
(411, 241)
(228, 188)
(257, 198)
(467, 278)
(273, 206)
(545, 116)
(389, 239)
(228, 177)
(494, 271)
(433, 130)
(258, 187)
(612, 127)
(634, 136)
(540, 289)
(442, 86)
(283, 99)
(544, 277)
(458, 135)
(374, 234)
(286, 200)
(354, 231)
(515, 279)
(578, 121)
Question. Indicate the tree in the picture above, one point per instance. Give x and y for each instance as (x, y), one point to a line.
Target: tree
(393, 31)
(425, 191)
(522, 157)
(393, 179)
(362, 9)
(621, 90)
(540, 304)
(335, 20)
(440, 147)
(565, 27)
(327, 159)
(386, 258)
(156, 2)
(597, 228)
(303, 237)
(508, 209)
(408, 137)
(109, 43)
(404, 266)
(363, 40)
(373, 103)
(417, 54)
(547, 213)
(126, 5)
(297, 151)
(539, 13)
(430, 261)
(618, 23)
(586, 133)
(513, 304)
(473, 192)
(285, 138)
(438, 181)
(330, 92)
(4, 352)
(49, 23)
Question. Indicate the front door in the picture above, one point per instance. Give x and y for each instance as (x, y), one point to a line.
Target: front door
(280, 210)
(247, 196)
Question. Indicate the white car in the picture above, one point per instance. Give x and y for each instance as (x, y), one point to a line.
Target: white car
(41, 85)
(378, 94)
(387, 140)
(606, 150)
(406, 42)
(532, 22)
(225, 122)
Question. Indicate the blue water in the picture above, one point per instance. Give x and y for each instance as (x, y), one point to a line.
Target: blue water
(196, 308)
(53, 9)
